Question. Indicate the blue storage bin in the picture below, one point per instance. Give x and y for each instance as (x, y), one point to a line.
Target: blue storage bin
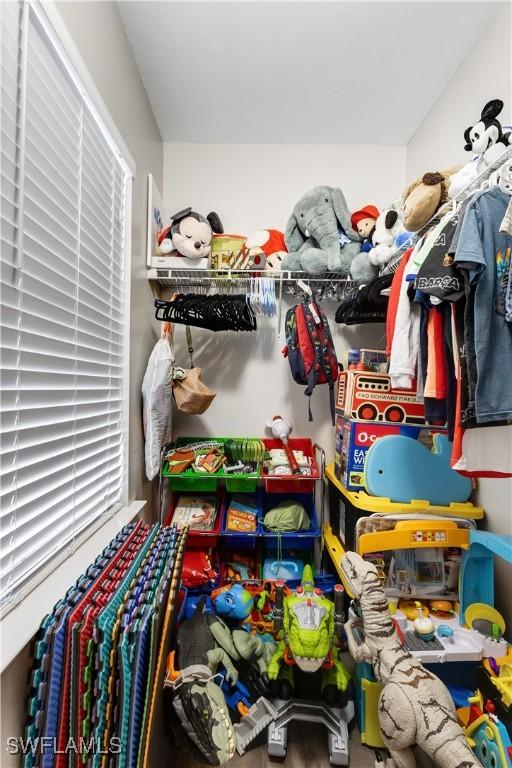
(296, 539)
(239, 539)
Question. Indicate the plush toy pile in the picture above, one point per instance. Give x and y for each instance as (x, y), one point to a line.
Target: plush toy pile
(323, 236)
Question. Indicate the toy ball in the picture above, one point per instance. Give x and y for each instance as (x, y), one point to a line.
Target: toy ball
(235, 603)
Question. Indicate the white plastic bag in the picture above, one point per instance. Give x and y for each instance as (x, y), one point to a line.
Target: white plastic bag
(157, 402)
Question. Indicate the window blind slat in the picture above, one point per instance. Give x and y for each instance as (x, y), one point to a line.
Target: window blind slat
(62, 329)
(55, 449)
(31, 438)
(14, 572)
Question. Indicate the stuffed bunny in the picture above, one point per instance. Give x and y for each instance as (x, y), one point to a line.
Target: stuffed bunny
(320, 238)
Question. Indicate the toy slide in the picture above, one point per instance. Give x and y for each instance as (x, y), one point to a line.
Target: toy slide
(402, 469)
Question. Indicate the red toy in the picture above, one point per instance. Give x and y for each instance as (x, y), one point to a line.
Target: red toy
(198, 570)
(370, 397)
(266, 249)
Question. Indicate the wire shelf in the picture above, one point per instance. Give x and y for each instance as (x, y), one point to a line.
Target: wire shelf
(325, 286)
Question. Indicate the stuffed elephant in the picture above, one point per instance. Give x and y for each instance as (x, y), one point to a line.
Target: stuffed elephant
(320, 238)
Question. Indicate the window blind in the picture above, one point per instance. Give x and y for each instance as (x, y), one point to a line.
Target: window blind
(63, 207)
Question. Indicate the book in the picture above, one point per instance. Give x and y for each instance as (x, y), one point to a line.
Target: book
(242, 515)
(198, 512)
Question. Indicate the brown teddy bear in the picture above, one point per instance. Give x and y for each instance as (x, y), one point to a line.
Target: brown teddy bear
(424, 196)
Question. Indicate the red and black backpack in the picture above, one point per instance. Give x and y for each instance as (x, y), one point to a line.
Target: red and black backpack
(310, 349)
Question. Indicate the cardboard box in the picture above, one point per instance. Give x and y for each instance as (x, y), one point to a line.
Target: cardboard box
(354, 438)
(368, 396)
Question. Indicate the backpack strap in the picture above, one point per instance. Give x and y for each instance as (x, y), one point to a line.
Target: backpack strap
(329, 362)
(314, 372)
(325, 356)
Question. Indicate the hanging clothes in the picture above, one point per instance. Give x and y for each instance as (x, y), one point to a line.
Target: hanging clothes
(405, 345)
(393, 300)
(484, 255)
(438, 276)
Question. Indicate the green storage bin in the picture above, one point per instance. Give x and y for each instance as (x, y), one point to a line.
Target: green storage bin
(196, 482)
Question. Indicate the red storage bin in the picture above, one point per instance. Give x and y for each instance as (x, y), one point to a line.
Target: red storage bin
(202, 539)
(291, 483)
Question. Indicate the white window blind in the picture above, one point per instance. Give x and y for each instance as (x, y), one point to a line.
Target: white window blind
(63, 207)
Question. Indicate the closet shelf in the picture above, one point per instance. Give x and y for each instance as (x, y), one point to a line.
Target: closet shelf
(172, 276)
(475, 184)
(328, 285)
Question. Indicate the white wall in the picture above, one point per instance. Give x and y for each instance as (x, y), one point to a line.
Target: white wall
(485, 74)
(252, 187)
(99, 35)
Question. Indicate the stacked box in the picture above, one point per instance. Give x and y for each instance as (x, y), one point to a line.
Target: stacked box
(354, 438)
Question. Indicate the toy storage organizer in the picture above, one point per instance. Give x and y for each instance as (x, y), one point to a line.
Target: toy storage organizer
(266, 491)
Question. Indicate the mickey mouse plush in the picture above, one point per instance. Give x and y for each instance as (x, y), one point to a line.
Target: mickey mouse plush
(488, 131)
(487, 140)
(190, 234)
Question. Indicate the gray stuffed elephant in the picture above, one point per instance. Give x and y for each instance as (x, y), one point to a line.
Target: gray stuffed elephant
(320, 238)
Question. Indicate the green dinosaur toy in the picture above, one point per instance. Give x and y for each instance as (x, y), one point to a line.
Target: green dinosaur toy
(309, 622)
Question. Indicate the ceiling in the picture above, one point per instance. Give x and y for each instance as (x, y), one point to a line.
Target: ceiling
(291, 72)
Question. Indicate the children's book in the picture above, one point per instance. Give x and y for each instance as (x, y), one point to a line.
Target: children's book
(198, 512)
(242, 515)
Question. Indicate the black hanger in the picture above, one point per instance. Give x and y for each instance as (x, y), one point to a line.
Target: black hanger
(218, 312)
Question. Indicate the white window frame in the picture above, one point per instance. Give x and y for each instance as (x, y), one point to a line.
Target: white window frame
(20, 617)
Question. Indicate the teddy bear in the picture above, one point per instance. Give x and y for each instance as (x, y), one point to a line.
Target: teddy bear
(424, 196)
(363, 221)
(189, 234)
(488, 140)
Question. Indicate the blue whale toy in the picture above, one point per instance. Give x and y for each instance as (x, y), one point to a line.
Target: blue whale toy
(400, 469)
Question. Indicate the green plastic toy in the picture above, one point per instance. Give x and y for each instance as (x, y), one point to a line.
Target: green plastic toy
(310, 624)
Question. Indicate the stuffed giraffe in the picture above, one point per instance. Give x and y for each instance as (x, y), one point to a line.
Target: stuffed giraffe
(414, 706)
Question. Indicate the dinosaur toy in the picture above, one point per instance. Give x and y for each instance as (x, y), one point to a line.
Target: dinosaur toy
(205, 648)
(414, 706)
(308, 624)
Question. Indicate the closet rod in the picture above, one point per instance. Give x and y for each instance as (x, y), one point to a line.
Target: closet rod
(394, 261)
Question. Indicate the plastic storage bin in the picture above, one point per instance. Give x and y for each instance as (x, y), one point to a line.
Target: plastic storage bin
(202, 539)
(291, 483)
(297, 539)
(346, 507)
(204, 483)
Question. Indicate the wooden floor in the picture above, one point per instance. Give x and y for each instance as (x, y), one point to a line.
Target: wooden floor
(307, 748)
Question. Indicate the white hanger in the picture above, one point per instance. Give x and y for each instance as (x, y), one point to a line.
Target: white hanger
(305, 287)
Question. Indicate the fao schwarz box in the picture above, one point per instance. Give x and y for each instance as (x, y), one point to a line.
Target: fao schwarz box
(369, 396)
(354, 438)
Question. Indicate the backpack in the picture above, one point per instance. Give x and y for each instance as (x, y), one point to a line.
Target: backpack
(310, 349)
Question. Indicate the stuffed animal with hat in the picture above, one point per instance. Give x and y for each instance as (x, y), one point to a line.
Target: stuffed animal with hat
(487, 140)
(189, 234)
(363, 221)
(320, 238)
(265, 249)
(424, 196)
